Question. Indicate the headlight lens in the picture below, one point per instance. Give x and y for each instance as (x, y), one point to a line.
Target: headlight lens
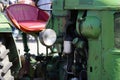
(47, 37)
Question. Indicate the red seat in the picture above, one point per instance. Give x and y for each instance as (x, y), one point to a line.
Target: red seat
(27, 18)
(32, 26)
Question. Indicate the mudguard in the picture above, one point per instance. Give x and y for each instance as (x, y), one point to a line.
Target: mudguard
(4, 24)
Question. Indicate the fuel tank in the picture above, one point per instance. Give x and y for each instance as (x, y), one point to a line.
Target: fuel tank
(92, 4)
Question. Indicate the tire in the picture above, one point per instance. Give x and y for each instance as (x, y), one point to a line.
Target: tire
(5, 64)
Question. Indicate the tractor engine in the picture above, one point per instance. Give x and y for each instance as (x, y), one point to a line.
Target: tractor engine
(87, 38)
(75, 49)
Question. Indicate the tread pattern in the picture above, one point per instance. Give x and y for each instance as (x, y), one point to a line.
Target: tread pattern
(5, 64)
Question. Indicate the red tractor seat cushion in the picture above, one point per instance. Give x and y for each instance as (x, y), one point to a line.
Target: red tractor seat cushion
(32, 26)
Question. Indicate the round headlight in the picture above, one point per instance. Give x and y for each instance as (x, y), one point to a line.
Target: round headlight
(47, 37)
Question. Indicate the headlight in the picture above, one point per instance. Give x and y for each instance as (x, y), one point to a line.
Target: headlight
(47, 37)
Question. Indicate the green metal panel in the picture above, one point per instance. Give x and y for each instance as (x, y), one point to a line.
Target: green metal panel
(111, 69)
(103, 60)
(4, 24)
(107, 35)
(110, 55)
(58, 8)
(92, 4)
(94, 61)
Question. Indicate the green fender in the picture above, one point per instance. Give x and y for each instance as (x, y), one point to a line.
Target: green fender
(4, 24)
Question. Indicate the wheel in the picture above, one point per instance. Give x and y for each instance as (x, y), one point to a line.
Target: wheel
(5, 64)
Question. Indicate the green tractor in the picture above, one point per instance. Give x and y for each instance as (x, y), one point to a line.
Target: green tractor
(85, 47)
(87, 39)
